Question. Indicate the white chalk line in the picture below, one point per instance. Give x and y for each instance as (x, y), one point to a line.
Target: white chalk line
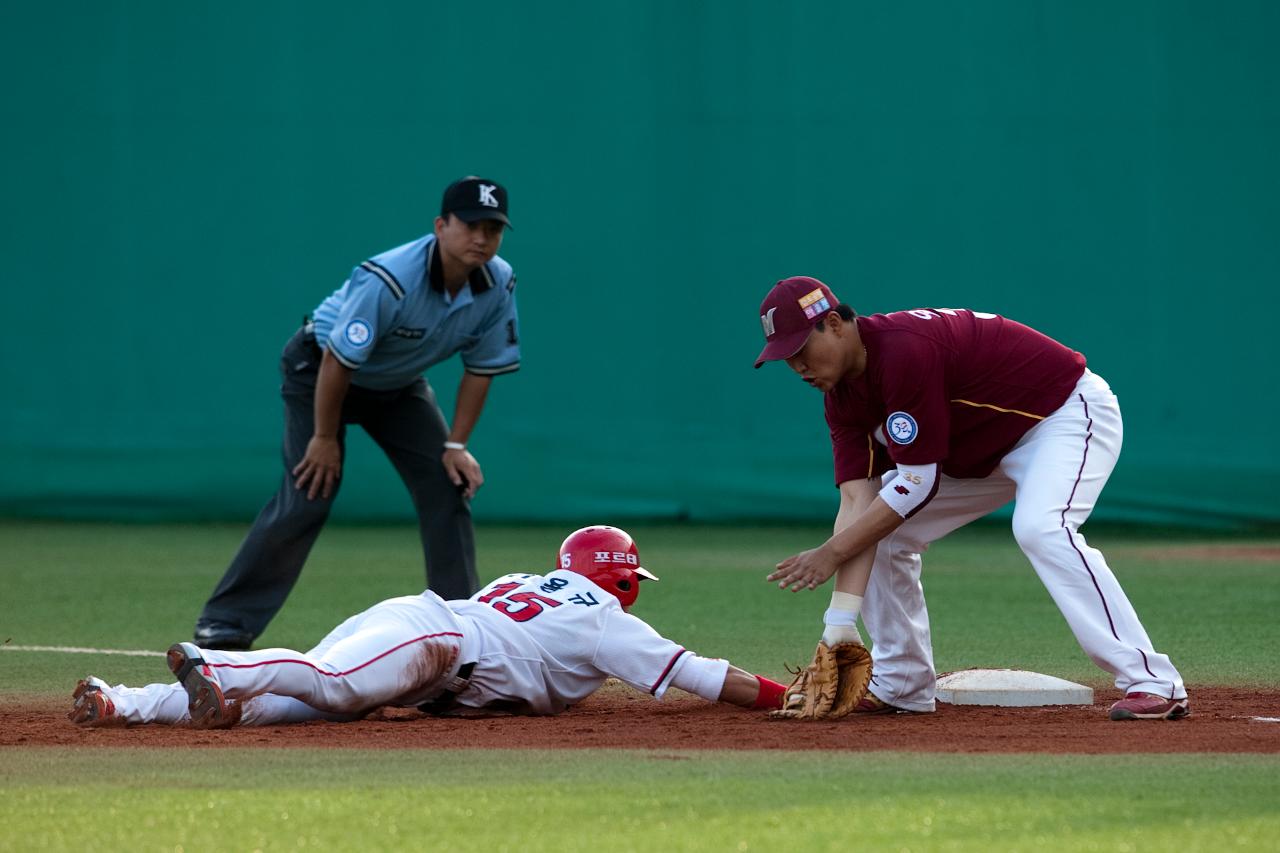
(79, 650)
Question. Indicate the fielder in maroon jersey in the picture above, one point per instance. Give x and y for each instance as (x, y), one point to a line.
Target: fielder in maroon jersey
(939, 417)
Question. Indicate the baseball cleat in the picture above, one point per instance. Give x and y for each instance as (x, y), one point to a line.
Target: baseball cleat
(205, 702)
(872, 704)
(1149, 706)
(93, 705)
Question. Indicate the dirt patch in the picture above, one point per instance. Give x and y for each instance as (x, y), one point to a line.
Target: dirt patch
(1223, 719)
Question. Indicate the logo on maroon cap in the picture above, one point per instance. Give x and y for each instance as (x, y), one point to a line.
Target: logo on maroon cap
(766, 320)
(815, 303)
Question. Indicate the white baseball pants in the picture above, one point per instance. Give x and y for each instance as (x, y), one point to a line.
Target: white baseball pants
(398, 652)
(1054, 474)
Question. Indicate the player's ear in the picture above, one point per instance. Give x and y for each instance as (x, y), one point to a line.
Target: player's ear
(440, 223)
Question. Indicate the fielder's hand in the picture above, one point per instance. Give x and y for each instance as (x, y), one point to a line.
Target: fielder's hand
(831, 686)
(806, 570)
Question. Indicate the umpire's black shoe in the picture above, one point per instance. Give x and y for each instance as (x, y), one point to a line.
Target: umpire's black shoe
(222, 638)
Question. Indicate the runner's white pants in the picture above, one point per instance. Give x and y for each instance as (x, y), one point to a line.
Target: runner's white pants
(398, 652)
(1054, 475)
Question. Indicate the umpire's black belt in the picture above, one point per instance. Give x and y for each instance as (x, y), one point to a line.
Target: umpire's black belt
(452, 690)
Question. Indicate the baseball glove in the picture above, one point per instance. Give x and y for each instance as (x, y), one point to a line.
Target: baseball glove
(830, 686)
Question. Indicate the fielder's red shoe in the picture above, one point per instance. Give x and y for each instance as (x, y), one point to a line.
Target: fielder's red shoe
(872, 704)
(1149, 706)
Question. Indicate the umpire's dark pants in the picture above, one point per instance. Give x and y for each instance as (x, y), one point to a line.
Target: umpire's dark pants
(410, 428)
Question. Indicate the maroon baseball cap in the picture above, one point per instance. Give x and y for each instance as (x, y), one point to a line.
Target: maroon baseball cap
(789, 313)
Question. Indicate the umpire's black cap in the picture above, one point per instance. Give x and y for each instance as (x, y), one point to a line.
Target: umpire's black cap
(472, 199)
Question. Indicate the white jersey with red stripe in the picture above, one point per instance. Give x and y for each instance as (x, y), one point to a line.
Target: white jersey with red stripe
(545, 642)
(538, 644)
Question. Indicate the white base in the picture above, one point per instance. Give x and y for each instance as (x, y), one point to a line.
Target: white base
(1010, 688)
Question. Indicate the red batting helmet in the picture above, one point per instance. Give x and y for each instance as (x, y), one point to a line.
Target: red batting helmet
(608, 556)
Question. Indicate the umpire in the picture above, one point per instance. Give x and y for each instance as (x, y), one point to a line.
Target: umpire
(360, 360)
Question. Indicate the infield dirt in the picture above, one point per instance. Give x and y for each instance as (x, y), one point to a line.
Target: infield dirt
(1223, 719)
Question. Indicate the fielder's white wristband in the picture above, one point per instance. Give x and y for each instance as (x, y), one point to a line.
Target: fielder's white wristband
(841, 619)
(833, 634)
(454, 445)
(844, 609)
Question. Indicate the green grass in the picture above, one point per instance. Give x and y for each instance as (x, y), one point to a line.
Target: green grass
(140, 587)
(350, 799)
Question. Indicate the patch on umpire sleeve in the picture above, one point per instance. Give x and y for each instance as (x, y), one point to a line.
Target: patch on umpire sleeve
(358, 333)
(901, 427)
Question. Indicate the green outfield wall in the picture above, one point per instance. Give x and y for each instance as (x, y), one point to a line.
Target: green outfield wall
(183, 181)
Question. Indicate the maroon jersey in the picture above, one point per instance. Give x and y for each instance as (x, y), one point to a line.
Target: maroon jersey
(951, 386)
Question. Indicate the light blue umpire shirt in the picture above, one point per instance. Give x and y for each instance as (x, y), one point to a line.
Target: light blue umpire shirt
(394, 318)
